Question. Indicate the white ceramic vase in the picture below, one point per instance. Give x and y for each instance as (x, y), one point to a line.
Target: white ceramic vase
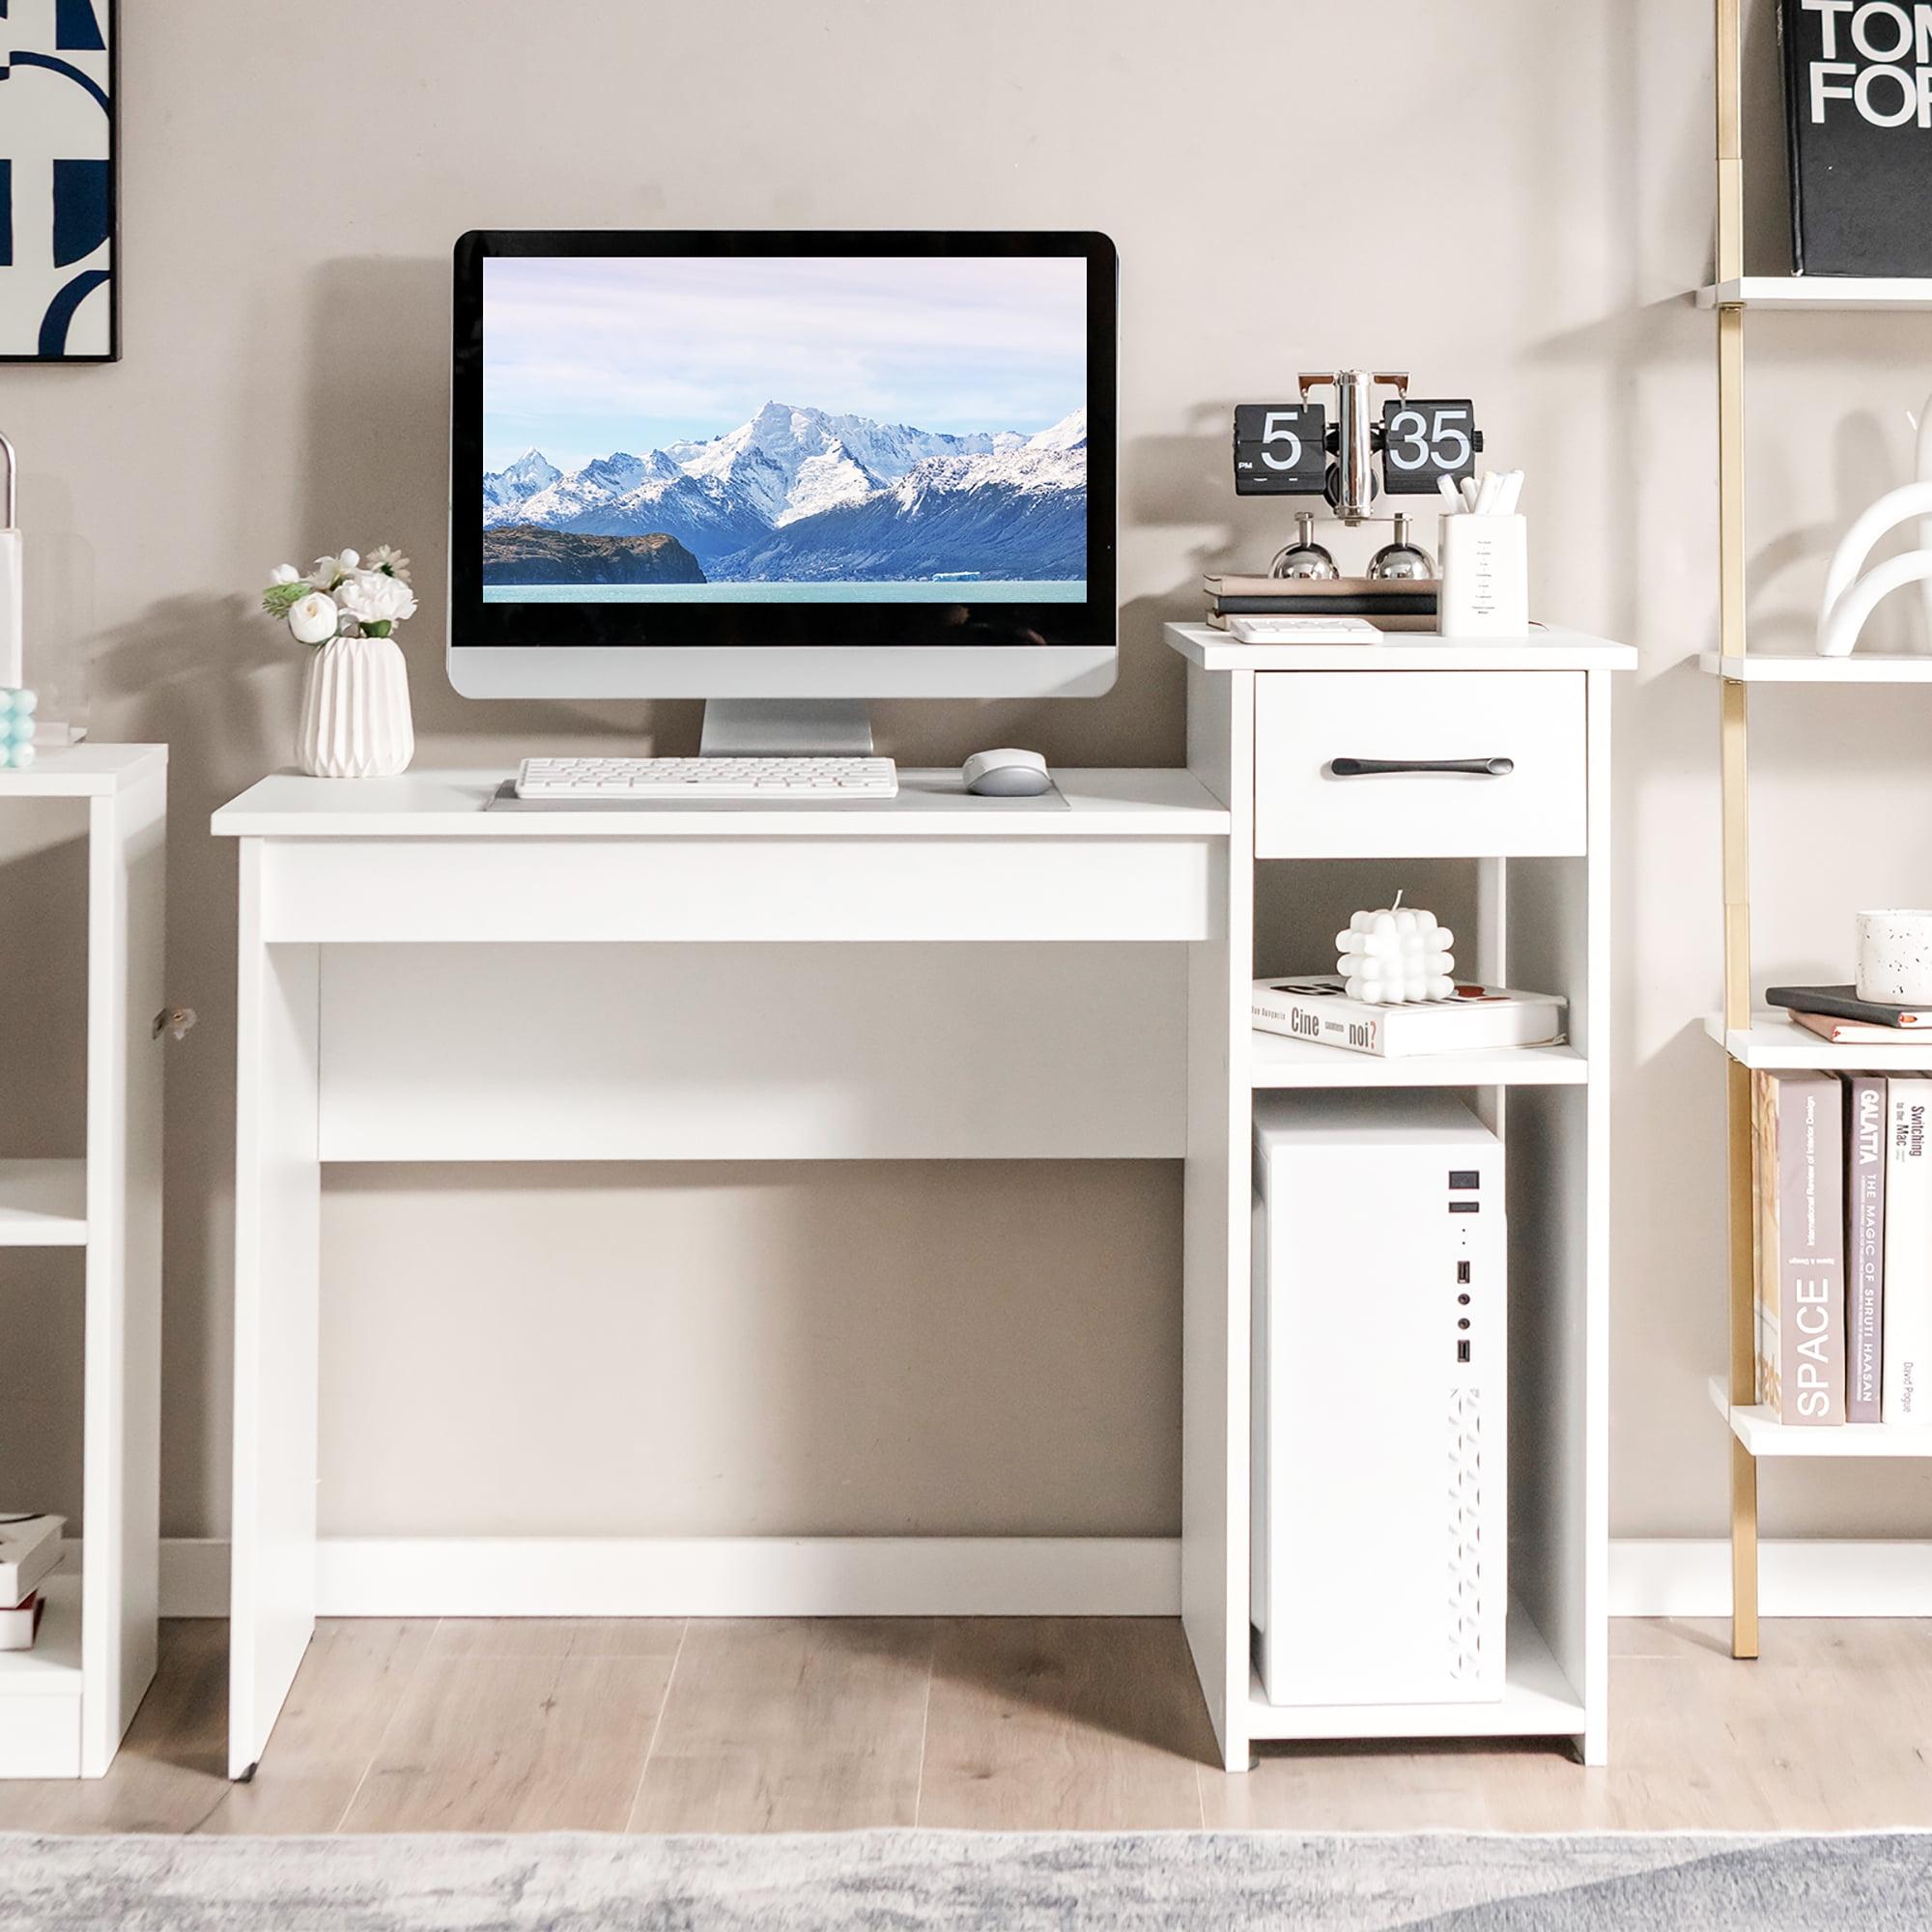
(355, 711)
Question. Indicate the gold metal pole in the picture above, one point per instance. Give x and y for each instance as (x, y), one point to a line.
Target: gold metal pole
(1736, 793)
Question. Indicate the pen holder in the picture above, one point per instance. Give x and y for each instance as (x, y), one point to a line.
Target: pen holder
(1484, 577)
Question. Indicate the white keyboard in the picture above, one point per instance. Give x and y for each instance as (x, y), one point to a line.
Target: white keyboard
(659, 778)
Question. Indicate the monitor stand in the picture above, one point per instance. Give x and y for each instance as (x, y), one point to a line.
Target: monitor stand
(785, 728)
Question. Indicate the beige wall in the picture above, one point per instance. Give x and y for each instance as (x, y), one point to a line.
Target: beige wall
(1507, 196)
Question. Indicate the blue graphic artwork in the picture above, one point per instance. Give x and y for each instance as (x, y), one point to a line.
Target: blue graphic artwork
(57, 182)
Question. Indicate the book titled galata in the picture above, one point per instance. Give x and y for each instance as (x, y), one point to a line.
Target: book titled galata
(1473, 1019)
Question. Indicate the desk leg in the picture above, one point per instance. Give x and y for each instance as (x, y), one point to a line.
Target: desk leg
(277, 1202)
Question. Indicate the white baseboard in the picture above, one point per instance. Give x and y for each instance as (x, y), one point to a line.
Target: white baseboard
(1798, 1577)
(1679, 1577)
(711, 1575)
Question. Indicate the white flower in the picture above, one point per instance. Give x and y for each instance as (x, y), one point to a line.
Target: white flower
(389, 558)
(314, 619)
(328, 568)
(286, 573)
(372, 598)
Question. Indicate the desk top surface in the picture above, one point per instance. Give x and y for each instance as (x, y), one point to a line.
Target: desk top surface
(1157, 802)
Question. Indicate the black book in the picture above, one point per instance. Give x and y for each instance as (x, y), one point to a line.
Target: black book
(1860, 153)
(1843, 1003)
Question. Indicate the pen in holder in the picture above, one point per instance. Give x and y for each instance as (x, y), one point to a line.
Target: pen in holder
(1485, 576)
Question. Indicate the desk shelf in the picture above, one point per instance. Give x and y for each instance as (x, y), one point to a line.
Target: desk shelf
(1538, 1701)
(1277, 1061)
(1540, 918)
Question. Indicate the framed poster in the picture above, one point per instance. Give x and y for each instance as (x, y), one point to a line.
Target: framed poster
(59, 290)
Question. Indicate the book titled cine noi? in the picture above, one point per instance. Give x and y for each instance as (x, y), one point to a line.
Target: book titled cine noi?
(1316, 1006)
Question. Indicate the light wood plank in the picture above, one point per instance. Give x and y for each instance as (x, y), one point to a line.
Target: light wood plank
(556, 1636)
(515, 1744)
(354, 1675)
(1087, 1723)
(791, 1724)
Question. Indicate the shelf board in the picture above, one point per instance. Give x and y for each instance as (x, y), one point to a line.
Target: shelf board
(1275, 1061)
(1807, 667)
(1762, 1436)
(1538, 1701)
(1546, 648)
(1775, 1040)
(43, 1203)
(1818, 291)
(85, 771)
(53, 1667)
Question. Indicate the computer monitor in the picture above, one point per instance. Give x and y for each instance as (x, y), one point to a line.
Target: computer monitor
(776, 469)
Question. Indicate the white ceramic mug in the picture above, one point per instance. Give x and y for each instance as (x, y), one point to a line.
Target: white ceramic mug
(1895, 957)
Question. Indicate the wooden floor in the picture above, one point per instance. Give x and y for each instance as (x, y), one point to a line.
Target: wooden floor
(1026, 1723)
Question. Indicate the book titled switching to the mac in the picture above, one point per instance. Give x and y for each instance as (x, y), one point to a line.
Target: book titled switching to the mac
(1316, 1006)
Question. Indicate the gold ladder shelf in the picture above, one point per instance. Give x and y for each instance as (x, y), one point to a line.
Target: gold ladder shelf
(1764, 1039)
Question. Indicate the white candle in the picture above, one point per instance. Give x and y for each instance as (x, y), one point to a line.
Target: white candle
(1895, 957)
(1396, 955)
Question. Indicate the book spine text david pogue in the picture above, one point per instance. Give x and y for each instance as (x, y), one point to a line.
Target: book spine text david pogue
(1864, 1244)
(1908, 1252)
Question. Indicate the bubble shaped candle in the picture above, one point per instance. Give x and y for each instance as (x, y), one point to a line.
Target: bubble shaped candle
(1395, 955)
(17, 728)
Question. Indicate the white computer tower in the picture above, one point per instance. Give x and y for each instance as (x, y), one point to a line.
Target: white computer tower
(1381, 1372)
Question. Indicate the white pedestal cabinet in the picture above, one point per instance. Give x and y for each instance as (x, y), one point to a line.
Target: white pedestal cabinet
(1529, 851)
(66, 1704)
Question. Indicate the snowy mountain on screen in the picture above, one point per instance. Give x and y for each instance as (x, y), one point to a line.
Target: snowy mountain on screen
(505, 489)
(1018, 511)
(801, 495)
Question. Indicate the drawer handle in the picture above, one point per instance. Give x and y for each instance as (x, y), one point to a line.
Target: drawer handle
(1369, 768)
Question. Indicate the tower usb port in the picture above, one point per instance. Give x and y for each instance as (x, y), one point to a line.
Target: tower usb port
(1462, 1350)
(1462, 1272)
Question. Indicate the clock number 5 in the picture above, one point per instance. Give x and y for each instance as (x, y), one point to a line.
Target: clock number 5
(1277, 427)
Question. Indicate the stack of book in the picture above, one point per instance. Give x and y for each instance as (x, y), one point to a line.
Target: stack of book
(1391, 604)
(1473, 1019)
(30, 1547)
(1836, 1014)
(1843, 1248)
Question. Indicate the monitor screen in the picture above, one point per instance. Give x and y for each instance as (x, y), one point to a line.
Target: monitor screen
(758, 425)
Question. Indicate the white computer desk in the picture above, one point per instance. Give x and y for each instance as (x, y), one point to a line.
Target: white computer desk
(423, 980)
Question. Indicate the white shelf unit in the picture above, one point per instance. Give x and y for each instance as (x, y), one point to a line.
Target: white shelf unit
(43, 1203)
(1544, 922)
(1841, 293)
(1753, 1426)
(66, 1704)
(1775, 1040)
(1806, 667)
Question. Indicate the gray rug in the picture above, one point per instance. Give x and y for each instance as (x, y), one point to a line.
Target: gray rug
(1139, 1882)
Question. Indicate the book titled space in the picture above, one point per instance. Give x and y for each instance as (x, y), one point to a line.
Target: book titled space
(1799, 1177)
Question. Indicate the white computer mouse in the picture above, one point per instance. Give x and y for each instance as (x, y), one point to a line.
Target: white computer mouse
(1007, 774)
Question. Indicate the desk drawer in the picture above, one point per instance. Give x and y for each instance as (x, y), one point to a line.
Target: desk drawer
(1529, 724)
